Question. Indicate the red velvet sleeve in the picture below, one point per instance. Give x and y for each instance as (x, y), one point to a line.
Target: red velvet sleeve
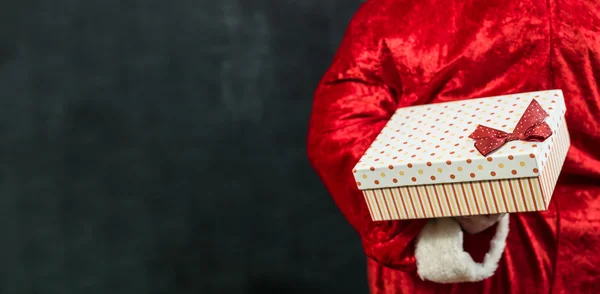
(357, 96)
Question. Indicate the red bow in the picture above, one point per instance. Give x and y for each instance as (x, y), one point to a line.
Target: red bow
(531, 127)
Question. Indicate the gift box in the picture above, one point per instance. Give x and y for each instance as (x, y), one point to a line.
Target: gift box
(470, 157)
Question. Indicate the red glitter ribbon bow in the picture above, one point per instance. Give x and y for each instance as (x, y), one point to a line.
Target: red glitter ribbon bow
(531, 127)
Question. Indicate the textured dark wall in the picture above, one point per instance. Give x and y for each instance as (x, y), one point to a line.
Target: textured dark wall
(159, 147)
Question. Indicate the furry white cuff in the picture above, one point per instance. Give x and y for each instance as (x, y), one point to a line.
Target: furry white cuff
(441, 258)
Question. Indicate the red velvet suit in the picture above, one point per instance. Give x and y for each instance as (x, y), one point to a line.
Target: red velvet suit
(397, 53)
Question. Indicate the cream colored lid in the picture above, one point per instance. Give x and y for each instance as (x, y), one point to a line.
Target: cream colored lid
(430, 144)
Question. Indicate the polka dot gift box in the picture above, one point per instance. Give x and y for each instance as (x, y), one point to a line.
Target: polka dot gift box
(477, 156)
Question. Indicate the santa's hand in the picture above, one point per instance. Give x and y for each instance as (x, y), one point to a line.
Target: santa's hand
(478, 223)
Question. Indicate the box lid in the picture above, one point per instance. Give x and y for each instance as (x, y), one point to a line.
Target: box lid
(430, 144)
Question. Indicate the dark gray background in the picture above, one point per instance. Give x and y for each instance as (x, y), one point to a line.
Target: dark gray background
(159, 147)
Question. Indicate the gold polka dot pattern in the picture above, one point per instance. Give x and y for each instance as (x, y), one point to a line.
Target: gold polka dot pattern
(474, 198)
(429, 144)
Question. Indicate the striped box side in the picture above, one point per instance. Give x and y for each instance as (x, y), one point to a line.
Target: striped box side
(456, 199)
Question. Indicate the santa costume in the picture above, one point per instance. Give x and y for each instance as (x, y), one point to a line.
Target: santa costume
(399, 53)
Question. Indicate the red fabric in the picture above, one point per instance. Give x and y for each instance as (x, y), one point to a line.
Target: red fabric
(398, 53)
(531, 127)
